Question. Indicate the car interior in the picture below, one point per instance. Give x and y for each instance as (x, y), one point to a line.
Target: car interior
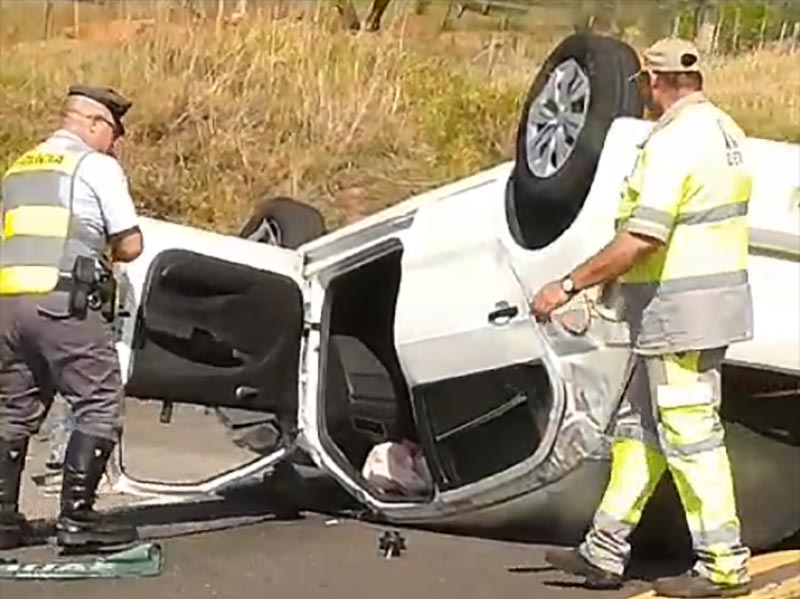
(366, 400)
(365, 396)
(462, 429)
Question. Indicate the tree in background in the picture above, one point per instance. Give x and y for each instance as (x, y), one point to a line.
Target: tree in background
(349, 14)
(715, 25)
(733, 25)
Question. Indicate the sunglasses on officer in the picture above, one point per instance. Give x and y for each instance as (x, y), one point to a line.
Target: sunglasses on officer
(99, 117)
(114, 128)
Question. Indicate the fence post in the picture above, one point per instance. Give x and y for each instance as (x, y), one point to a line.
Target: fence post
(48, 18)
(445, 24)
(795, 35)
(220, 15)
(705, 24)
(76, 18)
(676, 26)
(737, 26)
(718, 30)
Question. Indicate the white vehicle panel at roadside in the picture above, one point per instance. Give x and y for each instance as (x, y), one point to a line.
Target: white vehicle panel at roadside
(455, 274)
(160, 236)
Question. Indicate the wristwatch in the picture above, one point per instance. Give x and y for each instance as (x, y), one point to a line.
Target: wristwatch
(568, 285)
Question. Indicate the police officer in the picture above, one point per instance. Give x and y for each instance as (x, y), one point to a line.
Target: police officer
(681, 249)
(67, 209)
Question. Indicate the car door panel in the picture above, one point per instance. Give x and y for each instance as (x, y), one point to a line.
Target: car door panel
(460, 307)
(482, 378)
(215, 321)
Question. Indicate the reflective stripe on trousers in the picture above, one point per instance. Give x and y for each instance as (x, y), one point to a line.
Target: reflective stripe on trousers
(681, 401)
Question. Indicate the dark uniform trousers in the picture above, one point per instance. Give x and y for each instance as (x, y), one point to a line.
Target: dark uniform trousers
(42, 352)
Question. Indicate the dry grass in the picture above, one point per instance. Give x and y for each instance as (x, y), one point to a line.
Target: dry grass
(350, 123)
(761, 90)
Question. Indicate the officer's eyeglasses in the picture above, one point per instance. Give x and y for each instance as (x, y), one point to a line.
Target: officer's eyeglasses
(110, 123)
(99, 117)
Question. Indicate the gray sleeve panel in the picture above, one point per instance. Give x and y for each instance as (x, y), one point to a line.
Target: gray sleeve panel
(104, 175)
(775, 243)
(648, 229)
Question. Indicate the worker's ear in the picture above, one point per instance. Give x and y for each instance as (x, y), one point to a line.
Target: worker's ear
(93, 124)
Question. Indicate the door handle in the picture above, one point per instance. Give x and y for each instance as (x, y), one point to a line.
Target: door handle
(503, 314)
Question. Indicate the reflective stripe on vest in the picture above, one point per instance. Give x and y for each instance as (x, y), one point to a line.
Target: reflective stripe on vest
(41, 236)
(693, 293)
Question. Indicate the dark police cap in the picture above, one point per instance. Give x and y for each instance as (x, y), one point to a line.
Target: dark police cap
(118, 105)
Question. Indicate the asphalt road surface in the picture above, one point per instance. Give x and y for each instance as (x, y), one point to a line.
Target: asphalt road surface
(316, 557)
(234, 550)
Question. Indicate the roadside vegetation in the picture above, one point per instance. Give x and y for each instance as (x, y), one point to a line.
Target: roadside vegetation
(226, 113)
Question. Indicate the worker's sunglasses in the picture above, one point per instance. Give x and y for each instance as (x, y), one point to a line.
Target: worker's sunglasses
(641, 77)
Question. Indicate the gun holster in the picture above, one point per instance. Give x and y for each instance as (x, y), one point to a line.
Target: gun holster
(107, 294)
(93, 287)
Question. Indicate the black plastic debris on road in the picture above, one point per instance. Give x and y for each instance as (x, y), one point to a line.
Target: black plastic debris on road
(391, 544)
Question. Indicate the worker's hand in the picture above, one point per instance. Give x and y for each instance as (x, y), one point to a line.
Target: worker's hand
(549, 298)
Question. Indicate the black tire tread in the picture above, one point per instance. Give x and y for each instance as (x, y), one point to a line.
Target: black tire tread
(545, 207)
(299, 222)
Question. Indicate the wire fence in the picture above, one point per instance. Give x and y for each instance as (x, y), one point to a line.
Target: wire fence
(719, 26)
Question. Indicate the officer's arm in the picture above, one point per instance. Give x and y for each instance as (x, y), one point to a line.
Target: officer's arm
(127, 245)
(617, 258)
(106, 177)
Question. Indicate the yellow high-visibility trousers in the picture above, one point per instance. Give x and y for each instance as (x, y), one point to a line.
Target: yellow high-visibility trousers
(670, 420)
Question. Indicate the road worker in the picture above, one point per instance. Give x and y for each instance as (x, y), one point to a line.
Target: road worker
(67, 214)
(680, 252)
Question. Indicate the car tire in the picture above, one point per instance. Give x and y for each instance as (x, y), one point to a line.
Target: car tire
(283, 222)
(584, 84)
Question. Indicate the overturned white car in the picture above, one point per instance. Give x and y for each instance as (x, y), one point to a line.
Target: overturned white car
(413, 326)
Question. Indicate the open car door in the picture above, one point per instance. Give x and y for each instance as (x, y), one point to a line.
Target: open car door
(216, 321)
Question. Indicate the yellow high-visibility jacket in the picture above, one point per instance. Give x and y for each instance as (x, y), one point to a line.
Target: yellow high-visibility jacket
(690, 190)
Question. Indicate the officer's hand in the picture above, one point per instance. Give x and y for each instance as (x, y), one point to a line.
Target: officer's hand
(549, 298)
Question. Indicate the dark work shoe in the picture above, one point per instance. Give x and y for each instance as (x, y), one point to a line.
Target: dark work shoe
(572, 562)
(692, 584)
(12, 529)
(12, 522)
(87, 528)
(79, 525)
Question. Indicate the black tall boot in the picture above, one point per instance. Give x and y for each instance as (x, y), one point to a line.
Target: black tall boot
(79, 525)
(12, 461)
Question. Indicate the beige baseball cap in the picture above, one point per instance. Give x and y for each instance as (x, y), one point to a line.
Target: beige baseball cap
(671, 55)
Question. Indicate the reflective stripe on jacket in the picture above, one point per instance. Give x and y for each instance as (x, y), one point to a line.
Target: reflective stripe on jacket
(689, 189)
(41, 235)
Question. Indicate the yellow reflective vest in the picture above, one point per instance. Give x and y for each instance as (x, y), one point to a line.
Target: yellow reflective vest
(41, 237)
(690, 190)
